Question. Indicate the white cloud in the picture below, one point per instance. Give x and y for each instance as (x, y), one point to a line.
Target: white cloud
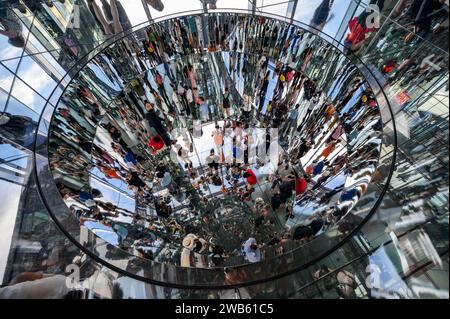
(37, 79)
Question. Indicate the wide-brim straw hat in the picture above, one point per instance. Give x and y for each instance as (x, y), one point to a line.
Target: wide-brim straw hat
(189, 241)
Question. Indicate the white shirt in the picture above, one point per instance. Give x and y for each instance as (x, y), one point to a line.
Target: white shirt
(231, 294)
(184, 152)
(212, 159)
(166, 180)
(166, 57)
(181, 89)
(176, 101)
(250, 255)
(189, 96)
(261, 61)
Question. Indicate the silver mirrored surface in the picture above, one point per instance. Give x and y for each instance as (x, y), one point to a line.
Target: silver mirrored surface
(406, 71)
(243, 141)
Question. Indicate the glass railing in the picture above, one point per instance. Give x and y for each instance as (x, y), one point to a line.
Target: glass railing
(382, 273)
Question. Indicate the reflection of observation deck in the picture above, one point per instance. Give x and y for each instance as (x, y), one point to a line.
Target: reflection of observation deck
(329, 126)
(93, 164)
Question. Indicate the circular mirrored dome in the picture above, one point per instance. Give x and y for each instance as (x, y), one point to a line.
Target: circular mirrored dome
(219, 156)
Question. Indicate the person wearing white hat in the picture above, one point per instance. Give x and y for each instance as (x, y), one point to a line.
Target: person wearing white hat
(193, 253)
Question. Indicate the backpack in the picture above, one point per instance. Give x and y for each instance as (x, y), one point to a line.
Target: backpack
(151, 48)
(216, 180)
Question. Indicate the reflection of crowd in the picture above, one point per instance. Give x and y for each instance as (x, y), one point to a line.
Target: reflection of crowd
(11, 26)
(327, 132)
(142, 141)
(132, 148)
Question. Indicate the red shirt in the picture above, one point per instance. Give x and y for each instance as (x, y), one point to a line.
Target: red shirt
(111, 173)
(64, 113)
(388, 68)
(357, 31)
(309, 170)
(156, 143)
(300, 186)
(328, 150)
(252, 178)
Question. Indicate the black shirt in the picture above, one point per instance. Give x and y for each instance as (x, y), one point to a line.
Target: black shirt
(286, 188)
(154, 121)
(302, 232)
(303, 149)
(135, 180)
(259, 221)
(115, 134)
(316, 226)
(226, 100)
(276, 201)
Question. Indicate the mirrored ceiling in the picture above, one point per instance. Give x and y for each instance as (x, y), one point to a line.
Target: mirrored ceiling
(207, 157)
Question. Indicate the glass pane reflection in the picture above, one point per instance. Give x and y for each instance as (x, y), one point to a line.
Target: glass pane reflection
(88, 144)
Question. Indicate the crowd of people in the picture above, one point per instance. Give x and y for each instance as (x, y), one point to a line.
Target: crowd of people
(174, 143)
